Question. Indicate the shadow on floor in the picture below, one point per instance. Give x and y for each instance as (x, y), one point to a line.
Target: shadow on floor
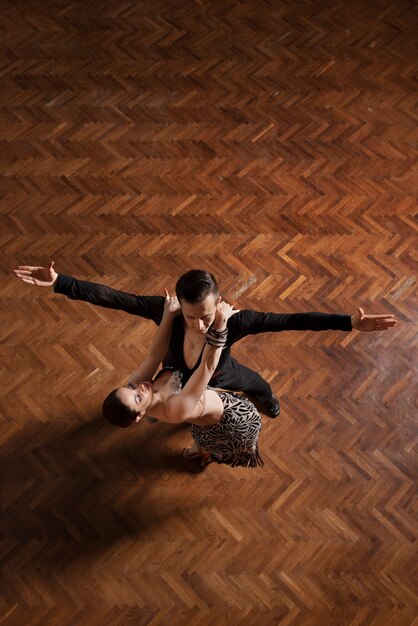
(75, 490)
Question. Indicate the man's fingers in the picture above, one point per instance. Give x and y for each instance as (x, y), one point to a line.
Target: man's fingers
(30, 281)
(382, 318)
(22, 273)
(29, 268)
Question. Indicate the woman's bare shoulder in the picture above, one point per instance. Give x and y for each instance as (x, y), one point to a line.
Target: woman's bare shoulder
(174, 409)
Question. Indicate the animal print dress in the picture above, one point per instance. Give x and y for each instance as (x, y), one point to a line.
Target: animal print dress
(234, 440)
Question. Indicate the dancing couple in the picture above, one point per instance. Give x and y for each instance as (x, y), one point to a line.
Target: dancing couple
(225, 426)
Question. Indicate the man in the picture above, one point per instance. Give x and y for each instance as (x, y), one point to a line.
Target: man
(198, 294)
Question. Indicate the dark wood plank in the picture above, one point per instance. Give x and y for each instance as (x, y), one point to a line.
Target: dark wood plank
(275, 145)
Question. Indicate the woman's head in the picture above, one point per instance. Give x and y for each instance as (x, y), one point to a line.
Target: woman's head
(127, 404)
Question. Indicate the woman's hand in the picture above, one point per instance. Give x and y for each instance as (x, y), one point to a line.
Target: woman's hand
(370, 323)
(223, 312)
(171, 305)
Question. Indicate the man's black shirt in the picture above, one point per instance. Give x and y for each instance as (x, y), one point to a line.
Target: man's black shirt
(243, 323)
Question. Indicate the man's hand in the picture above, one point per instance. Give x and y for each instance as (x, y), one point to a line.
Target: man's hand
(39, 276)
(369, 323)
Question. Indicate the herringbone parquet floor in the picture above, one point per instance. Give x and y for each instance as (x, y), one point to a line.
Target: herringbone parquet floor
(273, 143)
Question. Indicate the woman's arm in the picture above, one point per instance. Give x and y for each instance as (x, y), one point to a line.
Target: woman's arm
(159, 344)
(181, 406)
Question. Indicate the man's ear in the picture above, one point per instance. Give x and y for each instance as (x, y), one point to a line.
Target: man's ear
(139, 416)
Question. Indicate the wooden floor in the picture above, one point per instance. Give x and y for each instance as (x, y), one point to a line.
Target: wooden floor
(273, 143)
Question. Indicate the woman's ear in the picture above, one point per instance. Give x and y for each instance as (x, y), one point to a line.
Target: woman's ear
(219, 300)
(139, 416)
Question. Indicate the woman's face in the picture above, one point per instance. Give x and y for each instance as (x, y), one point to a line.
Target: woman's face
(137, 397)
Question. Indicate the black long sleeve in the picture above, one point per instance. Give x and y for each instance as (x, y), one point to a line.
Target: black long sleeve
(253, 322)
(149, 307)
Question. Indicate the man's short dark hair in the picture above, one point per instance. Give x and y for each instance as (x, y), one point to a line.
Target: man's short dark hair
(116, 412)
(195, 285)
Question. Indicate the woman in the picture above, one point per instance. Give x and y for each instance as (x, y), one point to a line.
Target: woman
(225, 426)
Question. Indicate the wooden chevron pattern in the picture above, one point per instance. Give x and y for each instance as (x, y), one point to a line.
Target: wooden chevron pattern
(273, 143)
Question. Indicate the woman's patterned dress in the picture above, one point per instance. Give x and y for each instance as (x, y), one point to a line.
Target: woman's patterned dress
(234, 440)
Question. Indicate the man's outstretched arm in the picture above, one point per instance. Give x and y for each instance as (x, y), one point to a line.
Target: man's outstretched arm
(254, 322)
(149, 307)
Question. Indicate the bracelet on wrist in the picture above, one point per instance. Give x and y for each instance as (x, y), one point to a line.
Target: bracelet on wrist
(219, 333)
(216, 338)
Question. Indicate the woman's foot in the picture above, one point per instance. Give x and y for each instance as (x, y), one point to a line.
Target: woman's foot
(191, 453)
(195, 453)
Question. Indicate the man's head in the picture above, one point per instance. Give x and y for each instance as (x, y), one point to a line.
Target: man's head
(198, 294)
(126, 405)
